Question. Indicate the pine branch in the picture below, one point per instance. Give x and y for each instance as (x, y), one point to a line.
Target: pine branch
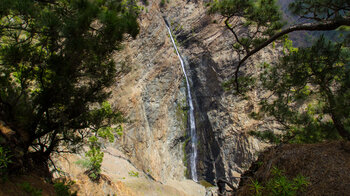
(321, 26)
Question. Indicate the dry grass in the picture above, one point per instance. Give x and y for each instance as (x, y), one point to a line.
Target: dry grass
(326, 165)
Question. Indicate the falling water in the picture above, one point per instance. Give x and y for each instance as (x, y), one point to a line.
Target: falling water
(191, 113)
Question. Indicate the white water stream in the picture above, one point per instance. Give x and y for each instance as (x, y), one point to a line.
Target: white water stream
(193, 157)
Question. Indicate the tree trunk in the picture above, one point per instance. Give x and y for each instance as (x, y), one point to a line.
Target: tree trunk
(334, 114)
(340, 127)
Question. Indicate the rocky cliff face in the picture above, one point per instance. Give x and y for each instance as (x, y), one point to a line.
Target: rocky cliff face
(151, 92)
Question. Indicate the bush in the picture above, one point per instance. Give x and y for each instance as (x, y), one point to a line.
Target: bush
(279, 184)
(30, 189)
(162, 3)
(5, 160)
(134, 174)
(62, 188)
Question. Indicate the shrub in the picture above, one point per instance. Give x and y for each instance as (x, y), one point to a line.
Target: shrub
(62, 188)
(279, 184)
(5, 160)
(30, 189)
(134, 174)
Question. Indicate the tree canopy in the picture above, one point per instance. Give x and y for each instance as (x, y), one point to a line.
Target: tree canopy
(310, 93)
(55, 70)
(309, 86)
(263, 22)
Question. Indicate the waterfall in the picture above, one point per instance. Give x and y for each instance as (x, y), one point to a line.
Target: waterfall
(193, 157)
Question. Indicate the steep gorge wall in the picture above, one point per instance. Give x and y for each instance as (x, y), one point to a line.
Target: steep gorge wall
(151, 93)
(226, 150)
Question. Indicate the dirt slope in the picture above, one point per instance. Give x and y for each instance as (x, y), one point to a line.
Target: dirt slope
(326, 165)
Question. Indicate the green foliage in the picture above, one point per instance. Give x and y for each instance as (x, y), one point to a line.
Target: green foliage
(279, 184)
(228, 7)
(134, 174)
(311, 93)
(30, 189)
(259, 20)
(247, 82)
(56, 68)
(256, 187)
(185, 143)
(105, 116)
(125, 67)
(182, 113)
(228, 85)
(62, 188)
(263, 15)
(162, 3)
(5, 160)
(205, 183)
(95, 158)
(288, 46)
(145, 2)
(185, 158)
(84, 163)
(94, 154)
(320, 9)
(255, 115)
(268, 136)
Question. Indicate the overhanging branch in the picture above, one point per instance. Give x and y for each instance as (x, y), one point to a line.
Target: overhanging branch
(321, 26)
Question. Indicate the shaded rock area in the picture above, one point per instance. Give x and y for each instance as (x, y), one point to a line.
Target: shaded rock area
(325, 165)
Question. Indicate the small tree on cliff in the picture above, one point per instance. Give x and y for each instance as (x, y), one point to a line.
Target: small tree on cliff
(55, 62)
(317, 76)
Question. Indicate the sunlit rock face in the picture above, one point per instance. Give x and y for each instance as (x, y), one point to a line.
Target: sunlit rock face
(150, 91)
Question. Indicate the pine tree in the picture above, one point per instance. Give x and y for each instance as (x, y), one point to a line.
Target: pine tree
(263, 18)
(310, 93)
(310, 86)
(55, 70)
